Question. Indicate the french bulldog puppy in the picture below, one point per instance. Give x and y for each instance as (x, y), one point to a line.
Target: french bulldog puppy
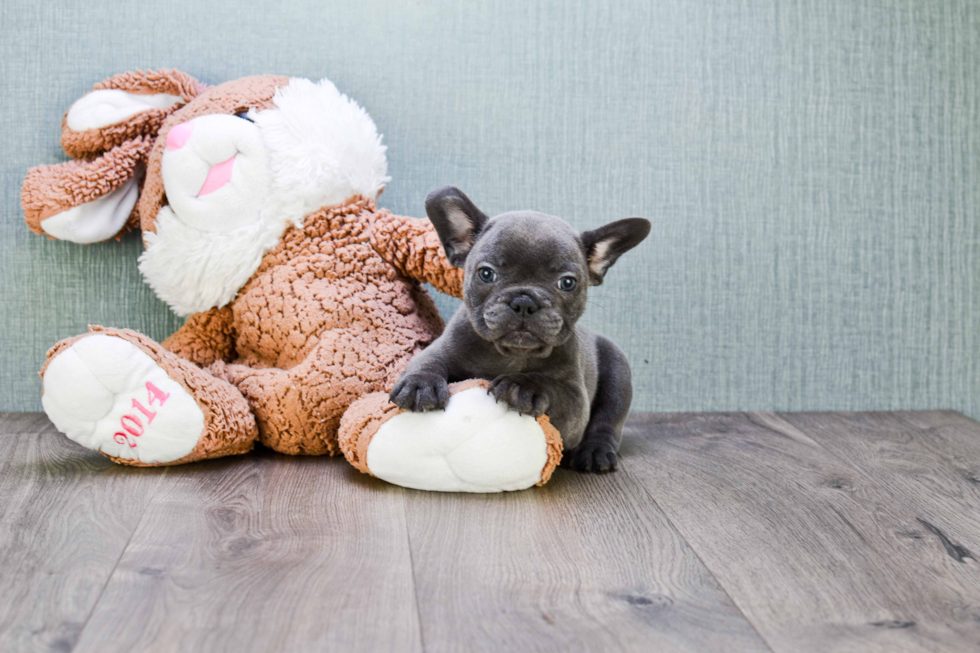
(527, 276)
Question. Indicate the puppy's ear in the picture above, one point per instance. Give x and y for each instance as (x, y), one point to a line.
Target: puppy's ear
(457, 221)
(607, 243)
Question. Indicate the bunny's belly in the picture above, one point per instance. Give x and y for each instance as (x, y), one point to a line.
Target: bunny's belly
(287, 315)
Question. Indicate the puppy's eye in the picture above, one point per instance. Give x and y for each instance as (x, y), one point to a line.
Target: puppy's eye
(567, 283)
(486, 275)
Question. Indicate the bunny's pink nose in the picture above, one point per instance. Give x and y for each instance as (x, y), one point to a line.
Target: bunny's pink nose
(179, 135)
(218, 176)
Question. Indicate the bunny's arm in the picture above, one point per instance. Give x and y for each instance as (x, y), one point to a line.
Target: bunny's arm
(413, 247)
(205, 337)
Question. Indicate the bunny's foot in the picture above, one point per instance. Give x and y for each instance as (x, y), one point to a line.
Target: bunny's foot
(120, 393)
(474, 445)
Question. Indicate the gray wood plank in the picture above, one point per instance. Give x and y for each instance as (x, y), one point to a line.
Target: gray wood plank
(66, 515)
(812, 551)
(950, 435)
(17, 423)
(17, 432)
(263, 553)
(918, 461)
(585, 563)
(830, 532)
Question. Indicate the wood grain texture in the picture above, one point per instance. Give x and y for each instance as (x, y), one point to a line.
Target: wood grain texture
(927, 463)
(262, 553)
(585, 563)
(747, 532)
(66, 516)
(817, 555)
(950, 436)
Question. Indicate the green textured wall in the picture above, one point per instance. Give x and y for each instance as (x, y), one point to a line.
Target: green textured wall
(810, 167)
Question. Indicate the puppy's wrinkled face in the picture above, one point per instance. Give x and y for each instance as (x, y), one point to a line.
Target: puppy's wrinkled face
(527, 273)
(526, 283)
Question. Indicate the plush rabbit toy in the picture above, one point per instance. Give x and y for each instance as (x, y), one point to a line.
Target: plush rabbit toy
(256, 200)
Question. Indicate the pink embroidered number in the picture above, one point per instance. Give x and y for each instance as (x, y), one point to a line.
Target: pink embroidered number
(150, 414)
(121, 438)
(155, 393)
(132, 425)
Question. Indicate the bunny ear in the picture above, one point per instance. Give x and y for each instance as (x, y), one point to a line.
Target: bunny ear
(87, 201)
(123, 107)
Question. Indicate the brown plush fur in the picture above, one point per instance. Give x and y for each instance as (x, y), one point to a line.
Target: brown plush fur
(48, 190)
(324, 320)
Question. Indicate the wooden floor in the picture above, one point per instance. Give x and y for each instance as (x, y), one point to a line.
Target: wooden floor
(720, 532)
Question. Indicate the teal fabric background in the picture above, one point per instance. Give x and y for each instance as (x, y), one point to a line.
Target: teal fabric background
(811, 169)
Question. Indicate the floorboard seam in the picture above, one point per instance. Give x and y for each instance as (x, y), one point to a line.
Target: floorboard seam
(624, 467)
(115, 566)
(411, 561)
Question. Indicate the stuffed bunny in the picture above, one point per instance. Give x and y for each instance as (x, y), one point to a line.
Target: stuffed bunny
(256, 201)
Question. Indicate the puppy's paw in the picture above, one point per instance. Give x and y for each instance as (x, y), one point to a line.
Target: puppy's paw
(420, 392)
(521, 394)
(594, 457)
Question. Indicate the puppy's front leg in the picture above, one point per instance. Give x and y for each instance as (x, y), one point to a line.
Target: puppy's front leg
(528, 394)
(563, 401)
(423, 386)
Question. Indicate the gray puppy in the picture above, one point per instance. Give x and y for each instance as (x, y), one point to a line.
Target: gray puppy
(525, 286)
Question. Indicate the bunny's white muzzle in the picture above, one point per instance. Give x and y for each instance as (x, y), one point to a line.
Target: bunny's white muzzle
(216, 172)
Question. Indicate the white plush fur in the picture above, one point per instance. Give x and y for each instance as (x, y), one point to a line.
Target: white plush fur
(108, 106)
(90, 387)
(98, 220)
(194, 270)
(475, 445)
(322, 149)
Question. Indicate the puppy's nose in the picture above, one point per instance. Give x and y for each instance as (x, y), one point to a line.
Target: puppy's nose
(523, 305)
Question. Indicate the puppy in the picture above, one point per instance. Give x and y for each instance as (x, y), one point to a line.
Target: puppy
(527, 275)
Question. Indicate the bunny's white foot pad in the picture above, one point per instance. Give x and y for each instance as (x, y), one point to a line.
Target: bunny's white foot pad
(107, 394)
